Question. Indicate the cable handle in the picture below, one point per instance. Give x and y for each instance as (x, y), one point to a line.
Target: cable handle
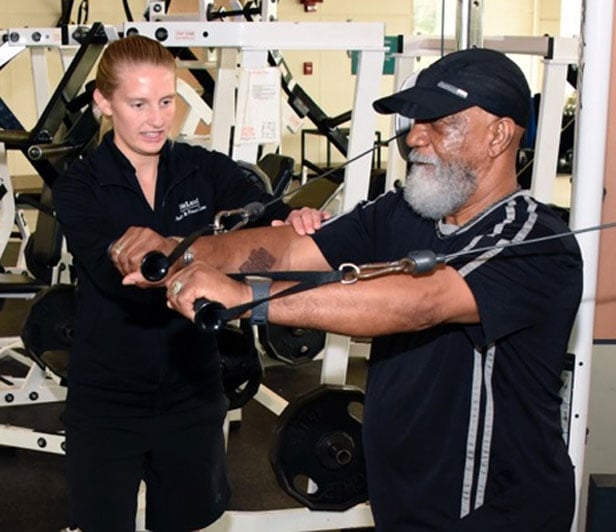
(155, 265)
(208, 314)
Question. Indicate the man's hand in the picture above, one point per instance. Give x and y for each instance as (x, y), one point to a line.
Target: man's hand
(305, 221)
(200, 280)
(127, 251)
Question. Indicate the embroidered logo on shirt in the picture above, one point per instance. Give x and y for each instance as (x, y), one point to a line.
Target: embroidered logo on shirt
(187, 208)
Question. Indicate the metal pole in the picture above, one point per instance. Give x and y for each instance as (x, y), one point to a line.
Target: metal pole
(469, 24)
(587, 194)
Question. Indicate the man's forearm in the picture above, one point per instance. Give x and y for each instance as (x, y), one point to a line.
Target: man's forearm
(259, 249)
(390, 304)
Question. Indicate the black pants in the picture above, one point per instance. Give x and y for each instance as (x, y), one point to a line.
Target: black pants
(181, 458)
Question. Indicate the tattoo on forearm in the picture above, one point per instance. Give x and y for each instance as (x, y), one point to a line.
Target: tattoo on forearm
(259, 260)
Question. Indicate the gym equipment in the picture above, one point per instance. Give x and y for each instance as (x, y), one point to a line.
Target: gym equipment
(42, 251)
(317, 452)
(48, 328)
(292, 345)
(219, 14)
(279, 169)
(41, 348)
(253, 40)
(304, 105)
(44, 247)
(272, 172)
(316, 193)
(298, 99)
(64, 130)
(240, 363)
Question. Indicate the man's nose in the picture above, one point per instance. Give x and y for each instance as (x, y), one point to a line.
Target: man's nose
(417, 135)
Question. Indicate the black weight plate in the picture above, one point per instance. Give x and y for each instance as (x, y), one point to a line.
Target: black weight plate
(292, 345)
(50, 321)
(317, 437)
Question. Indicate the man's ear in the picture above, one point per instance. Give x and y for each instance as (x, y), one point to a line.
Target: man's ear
(102, 103)
(503, 134)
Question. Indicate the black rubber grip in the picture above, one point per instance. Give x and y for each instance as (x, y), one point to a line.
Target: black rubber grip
(154, 266)
(208, 316)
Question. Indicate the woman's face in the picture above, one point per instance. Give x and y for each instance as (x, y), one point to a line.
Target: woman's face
(142, 109)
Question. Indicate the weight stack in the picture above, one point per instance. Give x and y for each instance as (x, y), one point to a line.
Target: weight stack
(601, 510)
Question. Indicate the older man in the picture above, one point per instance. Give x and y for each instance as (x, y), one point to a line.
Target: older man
(462, 420)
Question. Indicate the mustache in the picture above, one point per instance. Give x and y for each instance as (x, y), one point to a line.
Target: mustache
(415, 157)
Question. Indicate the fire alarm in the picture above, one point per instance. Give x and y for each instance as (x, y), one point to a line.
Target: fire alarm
(310, 5)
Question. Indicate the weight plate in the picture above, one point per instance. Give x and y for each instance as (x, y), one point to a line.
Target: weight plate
(291, 345)
(50, 322)
(317, 452)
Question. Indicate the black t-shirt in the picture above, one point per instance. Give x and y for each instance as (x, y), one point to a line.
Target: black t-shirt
(461, 418)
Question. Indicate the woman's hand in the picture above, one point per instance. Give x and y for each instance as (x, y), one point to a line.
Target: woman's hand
(305, 221)
(127, 251)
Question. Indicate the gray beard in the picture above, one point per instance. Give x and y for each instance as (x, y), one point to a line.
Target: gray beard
(440, 188)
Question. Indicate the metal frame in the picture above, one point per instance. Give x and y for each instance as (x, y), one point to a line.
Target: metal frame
(8, 52)
(156, 11)
(253, 40)
(37, 41)
(37, 387)
(587, 201)
(39, 384)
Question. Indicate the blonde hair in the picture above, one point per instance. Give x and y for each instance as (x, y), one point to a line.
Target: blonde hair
(128, 51)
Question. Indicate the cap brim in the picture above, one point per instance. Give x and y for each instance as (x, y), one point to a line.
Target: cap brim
(421, 103)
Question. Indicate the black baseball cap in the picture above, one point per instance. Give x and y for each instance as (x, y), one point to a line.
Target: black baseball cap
(463, 79)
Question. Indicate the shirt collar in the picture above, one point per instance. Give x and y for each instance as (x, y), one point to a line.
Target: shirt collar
(115, 166)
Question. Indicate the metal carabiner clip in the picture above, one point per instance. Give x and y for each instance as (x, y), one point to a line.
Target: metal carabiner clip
(353, 273)
(350, 273)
